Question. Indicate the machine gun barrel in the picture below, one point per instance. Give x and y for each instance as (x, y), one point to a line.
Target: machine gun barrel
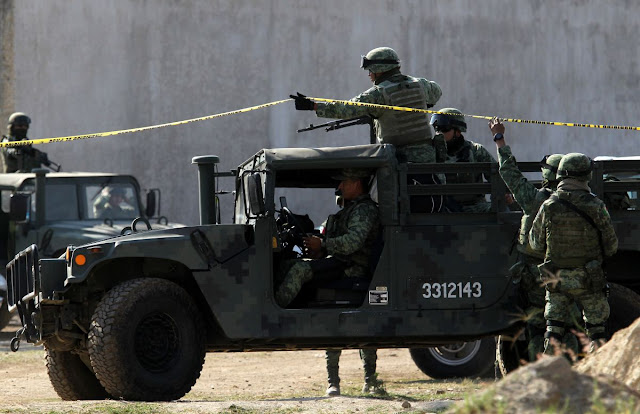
(341, 123)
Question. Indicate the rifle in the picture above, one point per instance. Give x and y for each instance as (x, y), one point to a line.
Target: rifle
(343, 123)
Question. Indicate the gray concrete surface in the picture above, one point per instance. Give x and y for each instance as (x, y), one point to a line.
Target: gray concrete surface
(87, 66)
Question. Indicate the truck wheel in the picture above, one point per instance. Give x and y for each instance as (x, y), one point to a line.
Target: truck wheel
(625, 308)
(510, 354)
(464, 359)
(71, 378)
(147, 341)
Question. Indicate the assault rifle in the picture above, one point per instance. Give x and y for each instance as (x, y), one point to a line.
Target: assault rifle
(343, 123)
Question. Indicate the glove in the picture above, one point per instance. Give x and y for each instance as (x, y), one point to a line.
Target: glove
(302, 102)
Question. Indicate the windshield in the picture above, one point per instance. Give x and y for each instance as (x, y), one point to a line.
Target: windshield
(114, 201)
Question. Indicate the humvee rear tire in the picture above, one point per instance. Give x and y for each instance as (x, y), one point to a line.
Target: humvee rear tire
(147, 341)
(71, 378)
(465, 359)
(624, 304)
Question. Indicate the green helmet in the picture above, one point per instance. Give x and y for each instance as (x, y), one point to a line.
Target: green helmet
(549, 165)
(19, 118)
(575, 165)
(380, 59)
(449, 117)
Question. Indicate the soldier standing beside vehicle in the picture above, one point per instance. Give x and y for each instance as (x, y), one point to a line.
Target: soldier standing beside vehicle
(409, 132)
(530, 199)
(573, 228)
(450, 123)
(20, 158)
(345, 251)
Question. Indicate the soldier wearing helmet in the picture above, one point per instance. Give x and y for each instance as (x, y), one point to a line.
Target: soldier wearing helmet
(574, 232)
(22, 158)
(112, 203)
(344, 252)
(530, 198)
(450, 124)
(408, 131)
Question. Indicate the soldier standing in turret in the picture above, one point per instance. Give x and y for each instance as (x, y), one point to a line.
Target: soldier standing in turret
(21, 158)
(409, 132)
(574, 231)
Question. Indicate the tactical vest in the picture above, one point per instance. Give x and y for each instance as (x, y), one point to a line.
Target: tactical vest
(398, 127)
(465, 154)
(572, 241)
(527, 222)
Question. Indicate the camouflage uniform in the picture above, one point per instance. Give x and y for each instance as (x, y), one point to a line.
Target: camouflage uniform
(525, 271)
(410, 146)
(462, 150)
(20, 159)
(369, 358)
(574, 251)
(350, 235)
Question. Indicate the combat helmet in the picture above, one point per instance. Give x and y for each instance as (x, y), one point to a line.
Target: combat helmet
(549, 165)
(380, 59)
(449, 117)
(575, 165)
(19, 118)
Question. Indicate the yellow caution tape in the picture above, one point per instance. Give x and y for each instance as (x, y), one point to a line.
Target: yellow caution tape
(253, 108)
(128, 131)
(515, 120)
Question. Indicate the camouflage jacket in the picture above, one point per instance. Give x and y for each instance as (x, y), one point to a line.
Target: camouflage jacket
(351, 233)
(526, 194)
(566, 238)
(375, 95)
(20, 159)
(468, 151)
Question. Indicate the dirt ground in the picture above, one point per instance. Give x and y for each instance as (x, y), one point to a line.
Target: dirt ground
(280, 382)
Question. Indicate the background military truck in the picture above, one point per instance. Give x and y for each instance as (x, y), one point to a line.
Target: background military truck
(132, 317)
(54, 210)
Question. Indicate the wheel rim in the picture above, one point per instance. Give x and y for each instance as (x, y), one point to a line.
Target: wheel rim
(157, 342)
(455, 354)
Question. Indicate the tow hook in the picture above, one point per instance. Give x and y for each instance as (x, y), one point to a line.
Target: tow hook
(15, 342)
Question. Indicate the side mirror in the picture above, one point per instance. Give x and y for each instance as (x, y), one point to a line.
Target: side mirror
(153, 200)
(19, 207)
(256, 198)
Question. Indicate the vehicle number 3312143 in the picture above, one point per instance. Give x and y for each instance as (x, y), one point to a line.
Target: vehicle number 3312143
(452, 290)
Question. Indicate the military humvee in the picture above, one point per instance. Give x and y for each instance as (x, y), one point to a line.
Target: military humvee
(54, 210)
(132, 317)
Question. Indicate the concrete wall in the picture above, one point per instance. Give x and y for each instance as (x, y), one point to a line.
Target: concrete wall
(87, 66)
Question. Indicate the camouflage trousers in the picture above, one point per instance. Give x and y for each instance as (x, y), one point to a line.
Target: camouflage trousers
(533, 294)
(296, 272)
(423, 152)
(574, 289)
(369, 358)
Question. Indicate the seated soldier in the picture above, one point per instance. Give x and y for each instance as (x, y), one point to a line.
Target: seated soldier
(110, 204)
(345, 249)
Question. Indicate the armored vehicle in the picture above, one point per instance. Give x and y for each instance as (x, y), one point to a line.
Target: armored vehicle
(132, 317)
(54, 210)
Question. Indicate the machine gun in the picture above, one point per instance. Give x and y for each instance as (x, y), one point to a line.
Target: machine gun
(343, 123)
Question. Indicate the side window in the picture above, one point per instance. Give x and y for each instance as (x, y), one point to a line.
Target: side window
(62, 202)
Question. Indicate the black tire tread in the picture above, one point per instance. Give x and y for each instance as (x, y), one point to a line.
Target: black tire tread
(106, 332)
(483, 364)
(71, 378)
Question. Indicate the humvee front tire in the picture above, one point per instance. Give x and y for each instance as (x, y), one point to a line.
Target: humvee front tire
(71, 378)
(464, 359)
(147, 341)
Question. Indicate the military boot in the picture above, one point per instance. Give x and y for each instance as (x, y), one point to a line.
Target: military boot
(373, 385)
(332, 357)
